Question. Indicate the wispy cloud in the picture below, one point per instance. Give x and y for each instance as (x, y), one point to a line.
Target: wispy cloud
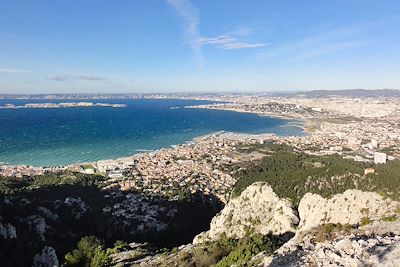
(191, 22)
(62, 78)
(13, 70)
(196, 40)
(91, 78)
(59, 78)
(226, 42)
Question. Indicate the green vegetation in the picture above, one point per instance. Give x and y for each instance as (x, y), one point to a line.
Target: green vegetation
(388, 150)
(90, 252)
(292, 174)
(246, 248)
(224, 252)
(12, 185)
(329, 231)
(389, 218)
(365, 221)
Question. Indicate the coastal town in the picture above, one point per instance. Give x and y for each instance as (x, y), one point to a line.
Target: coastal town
(362, 129)
(183, 133)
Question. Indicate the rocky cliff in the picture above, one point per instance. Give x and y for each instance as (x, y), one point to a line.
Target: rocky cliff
(354, 228)
(377, 244)
(257, 210)
(351, 207)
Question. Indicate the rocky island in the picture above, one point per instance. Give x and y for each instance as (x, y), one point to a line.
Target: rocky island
(63, 105)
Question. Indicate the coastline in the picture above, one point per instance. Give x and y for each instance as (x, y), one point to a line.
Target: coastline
(304, 123)
(193, 141)
(294, 122)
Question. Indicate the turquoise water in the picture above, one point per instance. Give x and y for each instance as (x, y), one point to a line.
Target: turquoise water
(49, 137)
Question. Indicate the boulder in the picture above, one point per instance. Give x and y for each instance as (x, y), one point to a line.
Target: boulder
(8, 231)
(257, 210)
(38, 224)
(47, 258)
(47, 213)
(78, 205)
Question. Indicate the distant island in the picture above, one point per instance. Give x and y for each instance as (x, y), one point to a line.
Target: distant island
(63, 105)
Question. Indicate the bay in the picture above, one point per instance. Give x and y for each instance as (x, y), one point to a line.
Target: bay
(50, 137)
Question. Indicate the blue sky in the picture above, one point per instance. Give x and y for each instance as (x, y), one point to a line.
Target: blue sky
(71, 46)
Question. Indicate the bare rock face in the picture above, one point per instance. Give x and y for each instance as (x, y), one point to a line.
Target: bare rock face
(257, 210)
(349, 251)
(47, 258)
(78, 205)
(8, 231)
(374, 244)
(38, 224)
(350, 207)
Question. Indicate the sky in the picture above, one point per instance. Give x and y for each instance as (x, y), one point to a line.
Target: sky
(129, 46)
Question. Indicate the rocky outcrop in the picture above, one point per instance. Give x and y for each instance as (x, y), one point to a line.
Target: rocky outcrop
(47, 258)
(332, 232)
(78, 205)
(8, 231)
(360, 247)
(136, 251)
(38, 225)
(349, 251)
(47, 213)
(257, 210)
(350, 207)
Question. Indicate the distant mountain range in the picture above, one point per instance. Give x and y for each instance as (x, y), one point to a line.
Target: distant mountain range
(352, 93)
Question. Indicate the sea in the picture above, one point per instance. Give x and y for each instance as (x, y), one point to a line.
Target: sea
(61, 136)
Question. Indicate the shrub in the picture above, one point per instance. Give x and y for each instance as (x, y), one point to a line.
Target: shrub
(365, 220)
(389, 218)
(246, 248)
(89, 252)
(330, 230)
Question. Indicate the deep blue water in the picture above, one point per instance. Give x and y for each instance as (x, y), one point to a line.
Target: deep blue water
(48, 137)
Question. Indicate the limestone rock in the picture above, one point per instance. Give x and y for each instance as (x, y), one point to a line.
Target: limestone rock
(47, 213)
(47, 258)
(391, 258)
(352, 251)
(376, 244)
(38, 224)
(78, 205)
(8, 231)
(346, 208)
(257, 210)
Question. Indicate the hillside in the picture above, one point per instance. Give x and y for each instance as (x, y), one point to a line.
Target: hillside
(292, 174)
(69, 217)
(351, 93)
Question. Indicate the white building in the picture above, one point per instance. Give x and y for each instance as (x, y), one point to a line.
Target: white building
(115, 174)
(374, 143)
(379, 157)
